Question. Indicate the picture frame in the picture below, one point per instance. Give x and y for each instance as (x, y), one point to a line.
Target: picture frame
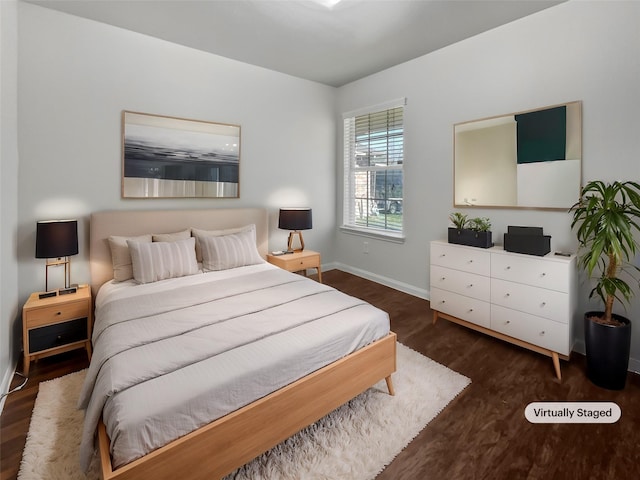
(172, 157)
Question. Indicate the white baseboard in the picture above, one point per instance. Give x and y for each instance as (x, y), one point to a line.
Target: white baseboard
(386, 281)
(6, 383)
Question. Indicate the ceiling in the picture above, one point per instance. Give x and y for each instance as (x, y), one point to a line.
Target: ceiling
(333, 45)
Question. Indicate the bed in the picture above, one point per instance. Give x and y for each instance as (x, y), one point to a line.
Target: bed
(228, 392)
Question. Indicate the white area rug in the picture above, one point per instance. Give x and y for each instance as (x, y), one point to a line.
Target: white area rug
(356, 441)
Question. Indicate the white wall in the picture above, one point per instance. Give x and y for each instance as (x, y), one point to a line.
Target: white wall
(75, 78)
(9, 305)
(578, 50)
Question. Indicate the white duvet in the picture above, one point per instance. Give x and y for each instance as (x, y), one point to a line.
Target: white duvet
(172, 356)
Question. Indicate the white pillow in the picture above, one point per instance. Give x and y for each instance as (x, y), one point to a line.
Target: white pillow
(196, 232)
(161, 260)
(230, 251)
(120, 256)
(172, 237)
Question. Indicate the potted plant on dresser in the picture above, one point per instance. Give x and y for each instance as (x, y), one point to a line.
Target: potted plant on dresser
(605, 219)
(473, 232)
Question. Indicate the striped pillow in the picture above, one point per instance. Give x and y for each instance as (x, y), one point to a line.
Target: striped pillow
(120, 256)
(161, 260)
(196, 232)
(230, 251)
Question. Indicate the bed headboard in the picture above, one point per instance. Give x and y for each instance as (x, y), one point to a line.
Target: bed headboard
(140, 222)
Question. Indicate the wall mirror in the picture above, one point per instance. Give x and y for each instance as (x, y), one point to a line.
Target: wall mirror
(529, 159)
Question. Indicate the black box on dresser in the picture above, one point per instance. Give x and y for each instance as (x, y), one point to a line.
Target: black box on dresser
(527, 240)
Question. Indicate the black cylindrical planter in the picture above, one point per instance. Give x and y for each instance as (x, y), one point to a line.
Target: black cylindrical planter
(607, 349)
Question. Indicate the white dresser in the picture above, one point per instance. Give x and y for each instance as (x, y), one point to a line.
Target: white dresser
(524, 299)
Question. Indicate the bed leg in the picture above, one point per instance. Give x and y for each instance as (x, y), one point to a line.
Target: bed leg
(390, 385)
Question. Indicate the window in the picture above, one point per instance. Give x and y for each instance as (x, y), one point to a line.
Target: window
(373, 169)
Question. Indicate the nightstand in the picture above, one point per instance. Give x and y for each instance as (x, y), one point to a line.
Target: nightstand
(298, 261)
(56, 324)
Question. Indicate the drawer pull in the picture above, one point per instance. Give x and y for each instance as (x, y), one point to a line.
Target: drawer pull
(58, 313)
(470, 310)
(544, 274)
(542, 333)
(543, 304)
(59, 337)
(470, 285)
(508, 267)
(507, 322)
(443, 255)
(470, 261)
(442, 301)
(507, 295)
(443, 278)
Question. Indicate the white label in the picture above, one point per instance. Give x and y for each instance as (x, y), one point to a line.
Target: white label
(572, 412)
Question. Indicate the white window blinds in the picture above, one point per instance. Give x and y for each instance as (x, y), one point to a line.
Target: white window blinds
(373, 168)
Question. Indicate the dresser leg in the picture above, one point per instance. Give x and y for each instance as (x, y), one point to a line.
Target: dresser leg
(435, 317)
(556, 364)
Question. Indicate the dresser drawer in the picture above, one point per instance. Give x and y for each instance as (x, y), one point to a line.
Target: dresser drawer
(466, 308)
(464, 283)
(531, 271)
(468, 259)
(530, 328)
(56, 313)
(542, 302)
(58, 334)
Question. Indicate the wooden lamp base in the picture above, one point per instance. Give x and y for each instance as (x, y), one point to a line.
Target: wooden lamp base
(290, 243)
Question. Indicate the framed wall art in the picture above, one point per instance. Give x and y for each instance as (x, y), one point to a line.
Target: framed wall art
(169, 157)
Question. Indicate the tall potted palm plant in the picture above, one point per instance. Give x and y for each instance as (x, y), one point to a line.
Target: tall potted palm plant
(605, 220)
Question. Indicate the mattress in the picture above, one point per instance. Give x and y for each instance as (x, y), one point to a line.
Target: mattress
(171, 356)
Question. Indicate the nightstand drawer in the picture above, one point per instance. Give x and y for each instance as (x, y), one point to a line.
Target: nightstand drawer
(58, 334)
(298, 261)
(306, 262)
(56, 314)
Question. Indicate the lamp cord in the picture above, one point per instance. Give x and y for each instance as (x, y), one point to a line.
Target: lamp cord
(19, 387)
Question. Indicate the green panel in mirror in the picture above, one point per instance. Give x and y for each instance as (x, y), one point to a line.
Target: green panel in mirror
(530, 159)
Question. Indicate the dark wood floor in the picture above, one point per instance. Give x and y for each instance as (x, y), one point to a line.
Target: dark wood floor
(482, 434)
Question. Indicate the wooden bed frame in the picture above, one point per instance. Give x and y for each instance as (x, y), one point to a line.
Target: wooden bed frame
(229, 442)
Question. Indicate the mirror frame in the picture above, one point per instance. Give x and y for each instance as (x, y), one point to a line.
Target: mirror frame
(574, 142)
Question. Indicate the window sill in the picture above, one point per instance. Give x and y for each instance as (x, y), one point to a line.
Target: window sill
(395, 237)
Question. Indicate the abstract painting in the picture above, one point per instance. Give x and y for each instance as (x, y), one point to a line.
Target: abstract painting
(169, 157)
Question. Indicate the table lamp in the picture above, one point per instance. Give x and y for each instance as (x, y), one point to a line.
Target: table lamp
(295, 219)
(56, 240)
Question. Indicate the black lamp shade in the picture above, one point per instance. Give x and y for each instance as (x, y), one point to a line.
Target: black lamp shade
(56, 238)
(295, 219)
